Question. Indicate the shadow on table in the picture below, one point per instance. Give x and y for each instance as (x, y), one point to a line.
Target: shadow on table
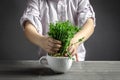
(30, 71)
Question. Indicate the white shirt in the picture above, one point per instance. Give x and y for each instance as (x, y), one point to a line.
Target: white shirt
(42, 12)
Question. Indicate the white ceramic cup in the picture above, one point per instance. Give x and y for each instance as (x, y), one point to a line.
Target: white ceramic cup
(57, 64)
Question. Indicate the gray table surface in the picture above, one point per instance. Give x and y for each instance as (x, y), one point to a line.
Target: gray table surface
(33, 70)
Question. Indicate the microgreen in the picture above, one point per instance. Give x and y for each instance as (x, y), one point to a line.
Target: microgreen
(64, 32)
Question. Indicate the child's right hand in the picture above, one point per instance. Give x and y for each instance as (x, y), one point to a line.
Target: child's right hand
(50, 45)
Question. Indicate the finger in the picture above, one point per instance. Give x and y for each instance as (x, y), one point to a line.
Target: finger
(71, 47)
(71, 50)
(76, 55)
(49, 42)
(50, 51)
(55, 50)
(50, 39)
(56, 41)
(50, 45)
(54, 46)
(57, 46)
(73, 53)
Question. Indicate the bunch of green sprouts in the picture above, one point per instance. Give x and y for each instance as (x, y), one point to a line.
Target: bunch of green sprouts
(64, 32)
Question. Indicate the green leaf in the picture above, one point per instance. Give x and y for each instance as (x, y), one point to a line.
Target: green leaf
(63, 31)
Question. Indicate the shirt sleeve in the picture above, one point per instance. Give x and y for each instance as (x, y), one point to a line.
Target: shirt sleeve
(32, 14)
(85, 11)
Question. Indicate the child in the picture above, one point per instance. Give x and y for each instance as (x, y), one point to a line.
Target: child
(40, 13)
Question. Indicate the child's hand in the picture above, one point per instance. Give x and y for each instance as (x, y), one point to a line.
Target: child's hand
(50, 45)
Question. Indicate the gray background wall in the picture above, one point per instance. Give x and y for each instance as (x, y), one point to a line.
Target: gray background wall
(103, 45)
